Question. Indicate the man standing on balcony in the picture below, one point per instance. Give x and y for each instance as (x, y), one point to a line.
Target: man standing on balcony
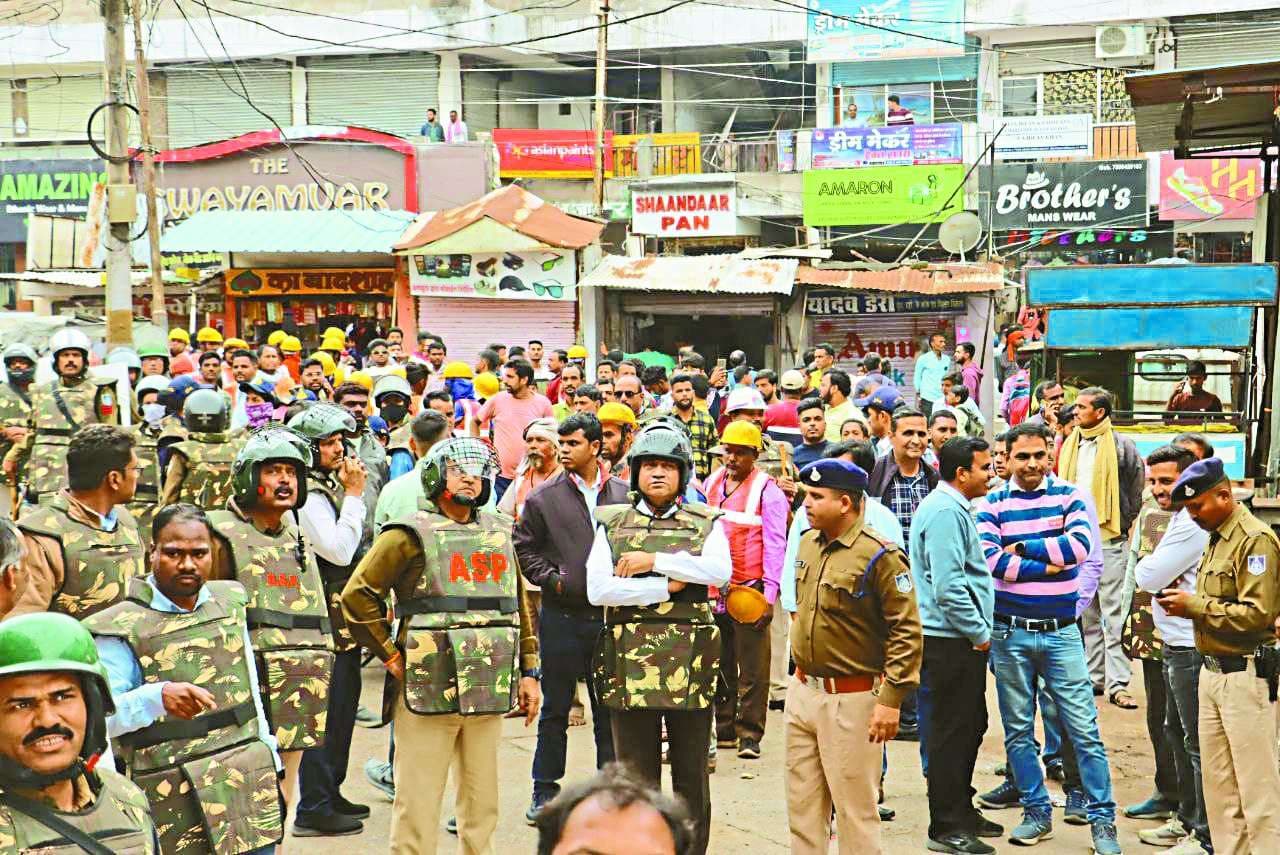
(851, 119)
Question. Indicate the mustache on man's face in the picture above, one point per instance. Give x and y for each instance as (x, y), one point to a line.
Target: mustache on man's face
(41, 732)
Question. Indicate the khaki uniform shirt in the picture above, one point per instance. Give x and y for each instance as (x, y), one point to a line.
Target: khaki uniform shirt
(848, 623)
(42, 569)
(1237, 594)
(394, 563)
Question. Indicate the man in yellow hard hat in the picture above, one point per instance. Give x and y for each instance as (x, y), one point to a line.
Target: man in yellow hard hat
(618, 427)
(235, 344)
(755, 519)
(578, 354)
(179, 341)
(276, 337)
(208, 339)
(291, 353)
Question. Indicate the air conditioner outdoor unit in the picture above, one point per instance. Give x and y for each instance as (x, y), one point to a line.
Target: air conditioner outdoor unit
(1120, 40)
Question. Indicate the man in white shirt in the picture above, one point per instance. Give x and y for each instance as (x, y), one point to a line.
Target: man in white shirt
(1173, 564)
(456, 130)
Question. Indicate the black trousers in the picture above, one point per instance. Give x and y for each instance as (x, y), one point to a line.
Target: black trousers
(956, 676)
(637, 742)
(742, 690)
(323, 769)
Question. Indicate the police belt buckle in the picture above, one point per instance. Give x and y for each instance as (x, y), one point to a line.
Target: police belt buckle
(838, 685)
(1226, 664)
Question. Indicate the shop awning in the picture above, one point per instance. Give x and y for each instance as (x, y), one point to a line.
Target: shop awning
(714, 274)
(309, 232)
(1203, 109)
(934, 279)
(507, 219)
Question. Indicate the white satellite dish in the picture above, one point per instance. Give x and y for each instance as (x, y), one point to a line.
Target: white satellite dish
(960, 232)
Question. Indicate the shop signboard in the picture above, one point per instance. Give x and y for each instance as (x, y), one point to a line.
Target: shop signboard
(1039, 137)
(375, 281)
(666, 154)
(879, 303)
(882, 194)
(545, 275)
(835, 148)
(1079, 194)
(1209, 188)
(549, 153)
(52, 187)
(688, 211)
(844, 30)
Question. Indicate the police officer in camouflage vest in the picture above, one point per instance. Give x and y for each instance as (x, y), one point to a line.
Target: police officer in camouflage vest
(54, 795)
(257, 543)
(58, 408)
(199, 467)
(189, 723)
(465, 653)
(147, 427)
(82, 546)
(333, 522)
(15, 403)
(651, 565)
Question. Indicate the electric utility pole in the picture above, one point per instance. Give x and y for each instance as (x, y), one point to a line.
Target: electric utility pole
(602, 57)
(159, 315)
(120, 202)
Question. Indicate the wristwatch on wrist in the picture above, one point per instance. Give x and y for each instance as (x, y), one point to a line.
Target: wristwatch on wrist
(535, 673)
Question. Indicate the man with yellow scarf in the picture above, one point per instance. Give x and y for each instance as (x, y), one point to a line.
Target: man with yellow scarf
(1106, 464)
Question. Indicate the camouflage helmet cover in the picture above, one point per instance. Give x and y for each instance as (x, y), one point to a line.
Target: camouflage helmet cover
(321, 421)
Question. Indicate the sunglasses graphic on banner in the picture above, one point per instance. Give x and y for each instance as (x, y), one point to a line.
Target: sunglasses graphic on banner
(542, 289)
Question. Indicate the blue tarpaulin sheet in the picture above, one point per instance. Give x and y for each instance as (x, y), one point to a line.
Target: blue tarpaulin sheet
(1107, 285)
(1140, 329)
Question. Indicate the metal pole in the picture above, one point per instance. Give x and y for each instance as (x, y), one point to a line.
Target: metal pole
(602, 55)
(119, 291)
(159, 316)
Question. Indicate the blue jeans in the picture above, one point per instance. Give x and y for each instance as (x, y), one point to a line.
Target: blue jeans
(1057, 659)
(566, 641)
(1181, 722)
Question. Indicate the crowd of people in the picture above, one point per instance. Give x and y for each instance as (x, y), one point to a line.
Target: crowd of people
(186, 602)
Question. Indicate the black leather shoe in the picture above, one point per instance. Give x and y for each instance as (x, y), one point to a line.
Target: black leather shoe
(987, 828)
(351, 809)
(887, 814)
(333, 825)
(961, 843)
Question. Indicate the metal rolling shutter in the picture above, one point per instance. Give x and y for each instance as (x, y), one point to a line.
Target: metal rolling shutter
(59, 108)
(697, 303)
(208, 103)
(386, 93)
(480, 100)
(6, 110)
(469, 326)
(890, 71)
(895, 336)
(1037, 57)
(1209, 40)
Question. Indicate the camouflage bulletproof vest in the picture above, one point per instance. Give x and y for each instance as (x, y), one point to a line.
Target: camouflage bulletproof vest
(1140, 637)
(462, 645)
(97, 565)
(209, 459)
(88, 401)
(119, 818)
(335, 576)
(231, 804)
(146, 498)
(288, 622)
(14, 412)
(662, 656)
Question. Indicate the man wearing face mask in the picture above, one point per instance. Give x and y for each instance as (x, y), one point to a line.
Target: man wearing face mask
(259, 403)
(58, 408)
(15, 400)
(391, 397)
(146, 433)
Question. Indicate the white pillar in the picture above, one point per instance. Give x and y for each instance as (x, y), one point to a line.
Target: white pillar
(667, 82)
(450, 92)
(298, 94)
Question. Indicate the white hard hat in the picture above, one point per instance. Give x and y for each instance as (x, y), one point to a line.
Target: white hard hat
(745, 398)
(69, 338)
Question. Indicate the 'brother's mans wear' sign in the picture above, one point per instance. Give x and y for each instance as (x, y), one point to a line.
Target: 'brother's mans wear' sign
(1082, 193)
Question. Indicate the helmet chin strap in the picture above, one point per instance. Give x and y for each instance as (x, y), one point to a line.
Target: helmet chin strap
(15, 776)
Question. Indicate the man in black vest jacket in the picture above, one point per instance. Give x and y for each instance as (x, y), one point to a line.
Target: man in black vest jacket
(553, 539)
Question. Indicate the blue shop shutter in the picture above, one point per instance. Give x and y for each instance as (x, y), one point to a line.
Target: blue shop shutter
(891, 71)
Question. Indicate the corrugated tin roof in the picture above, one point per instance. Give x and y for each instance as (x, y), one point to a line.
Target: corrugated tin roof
(287, 232)
(513, 207)
(724, 274)
(935, 279)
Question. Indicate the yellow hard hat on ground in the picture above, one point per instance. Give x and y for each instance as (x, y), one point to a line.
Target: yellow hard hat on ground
(208, 335)
(236, 344)
(486, 384)
(290, 344)
(276, 337)
(179, 334)
(577, 352)
(742, 433)
(458, 371)
(616, 413)
(745, 604)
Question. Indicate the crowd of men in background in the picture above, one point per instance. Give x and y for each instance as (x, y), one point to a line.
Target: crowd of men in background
(231, 557)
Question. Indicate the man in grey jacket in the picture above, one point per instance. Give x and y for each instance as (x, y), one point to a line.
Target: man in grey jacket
(956, 600)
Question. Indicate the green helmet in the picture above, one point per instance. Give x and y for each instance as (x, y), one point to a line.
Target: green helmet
(270, 444)
(18, 350)
(663, 441)
(473, 456)
(45, 642)
(146, 351)
(322, 421)
(207, 411)
(392, 384)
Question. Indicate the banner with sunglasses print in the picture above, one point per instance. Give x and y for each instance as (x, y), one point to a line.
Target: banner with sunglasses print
(538, 275)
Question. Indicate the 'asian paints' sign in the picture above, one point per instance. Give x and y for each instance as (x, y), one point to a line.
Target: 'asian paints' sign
(685, 212)
(549, 153)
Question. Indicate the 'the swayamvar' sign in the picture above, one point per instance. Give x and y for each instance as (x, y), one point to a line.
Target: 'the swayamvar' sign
(685, 212)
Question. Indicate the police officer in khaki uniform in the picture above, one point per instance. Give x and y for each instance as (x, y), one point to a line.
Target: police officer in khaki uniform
(857, 643)
(1234, 610)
